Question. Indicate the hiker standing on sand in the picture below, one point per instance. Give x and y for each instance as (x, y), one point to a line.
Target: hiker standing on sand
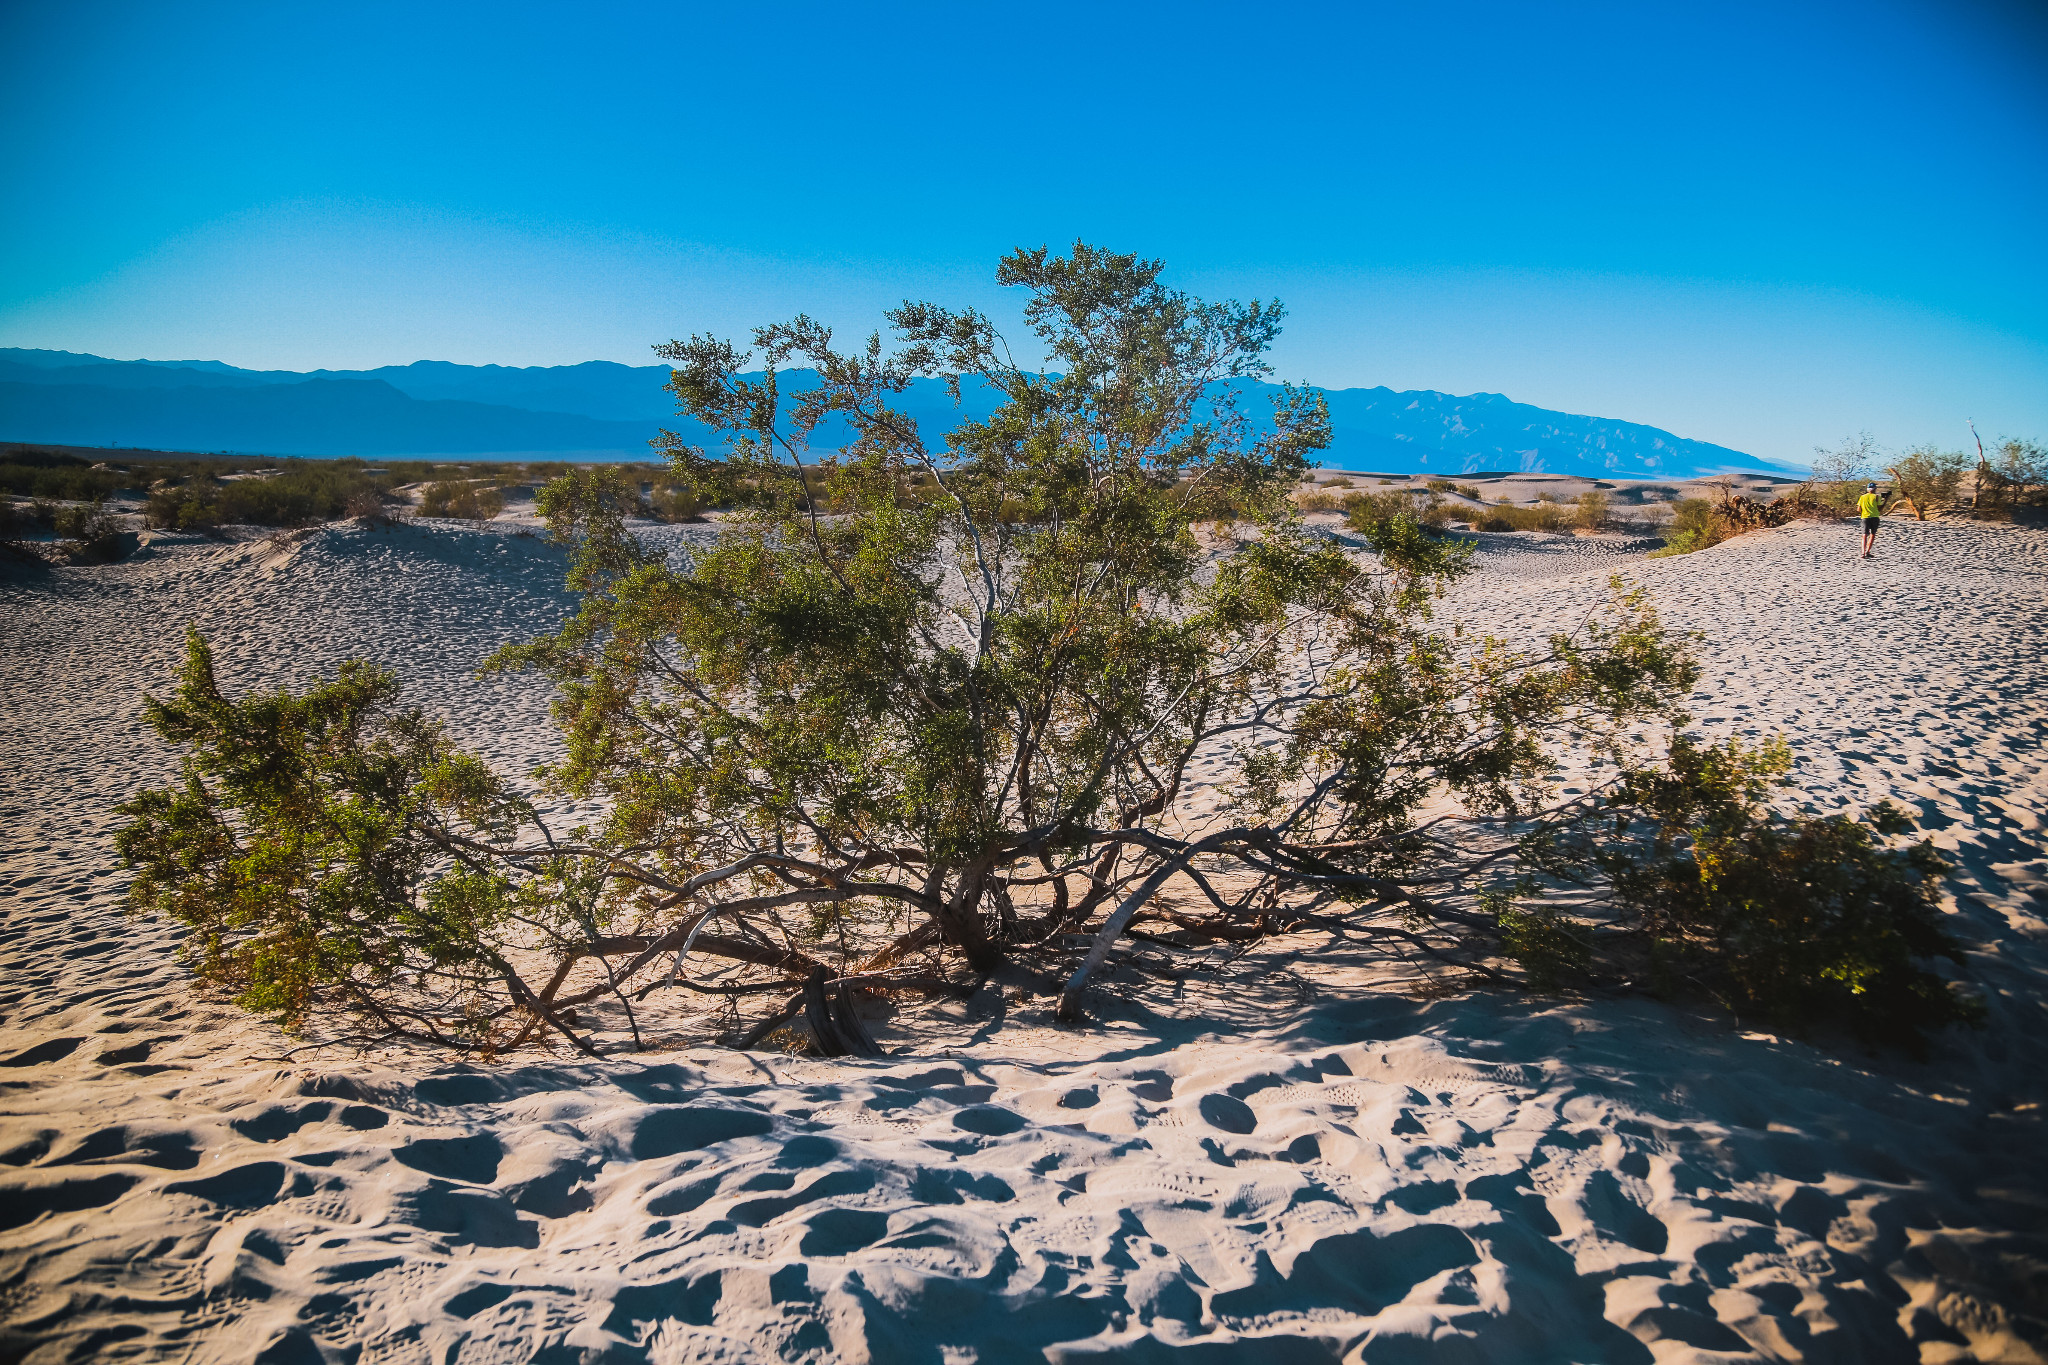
(1871, 508)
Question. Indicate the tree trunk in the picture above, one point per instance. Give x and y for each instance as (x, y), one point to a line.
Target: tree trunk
(835, 1027)
(959, 919)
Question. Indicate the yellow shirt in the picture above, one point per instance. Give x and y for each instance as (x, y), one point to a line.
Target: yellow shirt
(1868, 505)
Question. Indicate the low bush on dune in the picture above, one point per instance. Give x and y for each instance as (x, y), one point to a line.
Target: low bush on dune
(1787, 919)
(298, 493)
(1928, 479)
(461, 500)
(1544, 516)
(88, 532)
(1693, 526)
(91, 533)
(907, 741)
(674, 503)
(1700, 523)
(1368, 512)
(2016, 477)
(51, 475)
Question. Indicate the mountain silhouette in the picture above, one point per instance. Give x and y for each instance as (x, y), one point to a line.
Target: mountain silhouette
(604, 410)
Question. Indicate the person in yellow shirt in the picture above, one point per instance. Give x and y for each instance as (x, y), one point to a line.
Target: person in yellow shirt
(1871, 507)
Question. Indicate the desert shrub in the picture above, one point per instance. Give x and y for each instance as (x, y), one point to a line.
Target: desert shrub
(296, 493)
(1809, 501)
(1338, 483)
(52, 475)
(933, 728)
(1544, 516)
(185, 506)
(1438, 486)
(1553, 950)
(309, 845)
(1317, 502)
(1594, 510)
(2016, 477)
(1466, 490)
(78, 520)
(1698, 523)
(92, 533)
(1738, 515)
(461, 499)
(1693, 526)
(1791, 918)
(1928, 479)
(301, 493)
(367, 504)
(1367, 511)
(673, 503)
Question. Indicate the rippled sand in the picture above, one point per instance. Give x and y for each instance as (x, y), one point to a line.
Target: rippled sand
(1283, 1155)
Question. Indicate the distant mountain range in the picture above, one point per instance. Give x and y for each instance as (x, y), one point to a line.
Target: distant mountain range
(601, 410)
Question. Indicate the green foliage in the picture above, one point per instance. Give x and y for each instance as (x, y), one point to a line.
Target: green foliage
(1552, 950)
(48, 474)
(905, 689)
(315, 845)
(965, 653)
(461, 499)
(1367, 511)
(2016, 476)
(674, 503)
(296, 493)
(93, 533)
(1544, 516)
(78, 521)
(1693, 527)
(1928, 478)
(1594, 510)
(1698, 523)
(1790, 918)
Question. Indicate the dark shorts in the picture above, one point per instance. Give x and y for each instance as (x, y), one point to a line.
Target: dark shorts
(1870, 525)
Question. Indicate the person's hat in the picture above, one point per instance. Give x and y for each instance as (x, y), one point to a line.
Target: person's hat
(1871, 486)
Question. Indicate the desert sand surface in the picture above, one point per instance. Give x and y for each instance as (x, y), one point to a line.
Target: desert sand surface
(1524, 487)
(1292, 1153)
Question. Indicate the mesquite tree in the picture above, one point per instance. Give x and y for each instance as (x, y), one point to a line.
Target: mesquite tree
(942, 695)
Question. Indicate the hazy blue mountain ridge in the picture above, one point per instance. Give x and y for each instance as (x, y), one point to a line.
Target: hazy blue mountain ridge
(600, 409)
(317, 417)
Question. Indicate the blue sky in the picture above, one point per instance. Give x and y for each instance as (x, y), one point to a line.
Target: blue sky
(1762, 225)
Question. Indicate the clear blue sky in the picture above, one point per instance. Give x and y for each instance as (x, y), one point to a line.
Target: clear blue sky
(1765, 225)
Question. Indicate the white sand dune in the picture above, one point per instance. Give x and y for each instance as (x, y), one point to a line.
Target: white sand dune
(1281, 1155)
